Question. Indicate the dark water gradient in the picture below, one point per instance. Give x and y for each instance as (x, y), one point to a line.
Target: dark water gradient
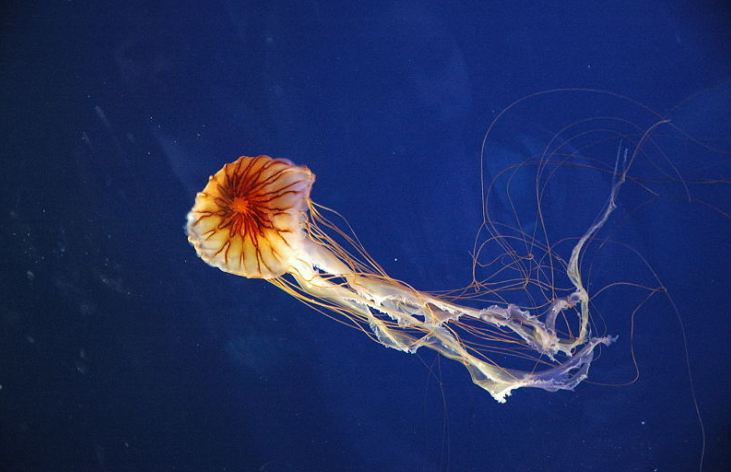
(120, 351)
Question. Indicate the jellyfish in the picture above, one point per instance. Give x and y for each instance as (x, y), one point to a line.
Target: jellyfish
(255, 219)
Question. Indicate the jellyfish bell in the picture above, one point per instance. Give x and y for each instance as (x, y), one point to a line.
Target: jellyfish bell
(248, 219)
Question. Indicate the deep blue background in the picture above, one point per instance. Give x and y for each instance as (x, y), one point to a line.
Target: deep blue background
(121, 351)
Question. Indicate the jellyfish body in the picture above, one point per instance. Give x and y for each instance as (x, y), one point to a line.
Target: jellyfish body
(255, 219)
(245, 221)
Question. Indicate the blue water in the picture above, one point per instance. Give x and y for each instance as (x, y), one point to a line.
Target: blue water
(121, 351)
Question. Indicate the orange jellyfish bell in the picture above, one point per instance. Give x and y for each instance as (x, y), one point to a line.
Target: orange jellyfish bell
(248, 220)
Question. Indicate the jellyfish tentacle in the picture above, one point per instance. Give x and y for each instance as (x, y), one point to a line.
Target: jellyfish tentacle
(430, 317)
